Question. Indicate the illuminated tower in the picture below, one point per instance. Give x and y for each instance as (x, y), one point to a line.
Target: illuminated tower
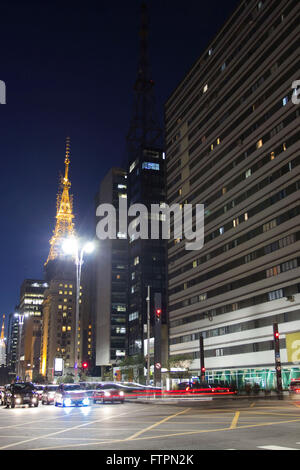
(64, 216)
(2, 344)
(60, 296)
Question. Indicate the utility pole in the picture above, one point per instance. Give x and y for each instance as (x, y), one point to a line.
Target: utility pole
(148, 335)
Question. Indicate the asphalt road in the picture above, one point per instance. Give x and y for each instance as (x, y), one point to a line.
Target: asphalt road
(223, 425)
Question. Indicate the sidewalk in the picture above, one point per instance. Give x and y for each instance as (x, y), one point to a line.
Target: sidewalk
(211, 400)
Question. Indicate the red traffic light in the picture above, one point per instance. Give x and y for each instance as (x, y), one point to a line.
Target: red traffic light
(276, 335)
(84, 365)
(202, 369)
(158, 312)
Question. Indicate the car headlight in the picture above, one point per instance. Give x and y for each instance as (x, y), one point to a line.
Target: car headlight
(106, 394)
(34, 399)
(67, 401)
(18, 400)
(85, 401)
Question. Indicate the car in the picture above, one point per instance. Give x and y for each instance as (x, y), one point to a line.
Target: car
(39, 389)
(294, 387)
(21, 393)
(71, 395)
(108, 393)
(48, 394)
(200, 388)
(3, 394)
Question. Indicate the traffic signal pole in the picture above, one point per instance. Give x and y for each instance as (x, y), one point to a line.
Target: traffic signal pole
(202, 365)
(157, 339)
(277, 359)
(148, 335)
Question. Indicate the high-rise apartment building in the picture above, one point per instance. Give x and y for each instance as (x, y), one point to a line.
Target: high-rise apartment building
(111, 264)
(232, 136)
(30, 309)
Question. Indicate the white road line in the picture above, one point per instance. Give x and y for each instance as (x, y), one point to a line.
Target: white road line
(276, 448)
(64, 430)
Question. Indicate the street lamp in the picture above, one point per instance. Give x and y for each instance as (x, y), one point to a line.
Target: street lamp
(71, 246)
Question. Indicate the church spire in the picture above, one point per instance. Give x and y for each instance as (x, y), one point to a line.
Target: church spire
(64, 212)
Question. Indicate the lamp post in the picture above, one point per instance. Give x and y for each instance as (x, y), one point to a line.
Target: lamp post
(71, 246)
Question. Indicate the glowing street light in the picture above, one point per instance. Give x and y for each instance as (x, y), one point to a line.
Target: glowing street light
(71, 246)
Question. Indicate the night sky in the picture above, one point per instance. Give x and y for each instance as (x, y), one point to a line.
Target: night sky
(69, 71)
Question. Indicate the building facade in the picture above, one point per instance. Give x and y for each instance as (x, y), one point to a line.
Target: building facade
(146, 186)
(111, 279)
(30, 311)
(232, 136)
(12, 341)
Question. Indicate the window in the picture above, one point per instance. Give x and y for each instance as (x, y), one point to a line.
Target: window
(248, 173)
(285, 101)
(132, 166)
(269, 225)
(259, 144)
(292, 264)
(150, 166)
(273, 271)
(275, 294)
(205, 88)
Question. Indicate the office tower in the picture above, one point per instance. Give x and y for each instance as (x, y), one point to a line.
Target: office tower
(111, 265)
(146, 185)
(12, 341)
(232, 136)
(30, 309)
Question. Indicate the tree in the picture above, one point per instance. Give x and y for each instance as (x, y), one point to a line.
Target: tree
(180, 361)
(66, 379)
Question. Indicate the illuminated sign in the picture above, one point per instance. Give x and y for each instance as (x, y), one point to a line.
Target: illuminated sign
(58, 366)
(293, 347)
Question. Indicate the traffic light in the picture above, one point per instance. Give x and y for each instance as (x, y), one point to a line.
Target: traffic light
(158, 313)
(203, 369)
(157, 306)
(85, 365)
(277, 357)
(276, 337)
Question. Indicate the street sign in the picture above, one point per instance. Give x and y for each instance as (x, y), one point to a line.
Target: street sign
(158, 365)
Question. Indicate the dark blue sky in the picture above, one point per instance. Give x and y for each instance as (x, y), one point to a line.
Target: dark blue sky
(69, 70)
